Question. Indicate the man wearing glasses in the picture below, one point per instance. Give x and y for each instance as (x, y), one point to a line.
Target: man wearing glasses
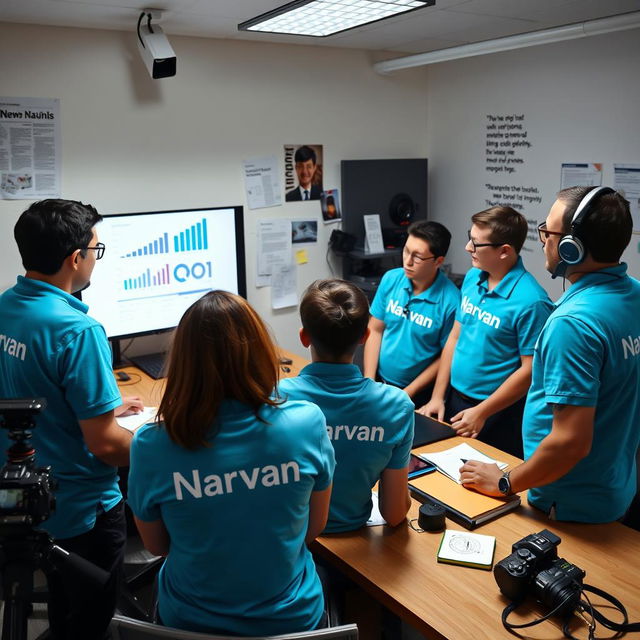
(63, 355)
(412, 314)
(487, 359)
(580, 424)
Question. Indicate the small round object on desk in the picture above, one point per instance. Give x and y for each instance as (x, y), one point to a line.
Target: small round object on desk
(431, 517)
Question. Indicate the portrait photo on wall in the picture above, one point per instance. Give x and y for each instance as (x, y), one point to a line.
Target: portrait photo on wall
(304, 231)
(330, 205)
(302, 172)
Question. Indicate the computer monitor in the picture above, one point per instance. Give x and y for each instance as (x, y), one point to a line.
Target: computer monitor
(156, 264)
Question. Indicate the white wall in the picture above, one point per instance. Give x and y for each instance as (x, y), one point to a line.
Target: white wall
(130, 143)
(581, 101)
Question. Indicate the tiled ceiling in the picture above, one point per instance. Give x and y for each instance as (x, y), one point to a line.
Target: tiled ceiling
(447, 24)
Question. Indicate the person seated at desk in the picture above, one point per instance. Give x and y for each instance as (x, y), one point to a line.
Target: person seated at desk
(234, 483)
(412, 314)
(487, 358)
(370, 424)
(580, 423)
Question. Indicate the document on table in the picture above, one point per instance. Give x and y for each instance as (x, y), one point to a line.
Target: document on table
(450, 461)
(376, 517)
(135, 420)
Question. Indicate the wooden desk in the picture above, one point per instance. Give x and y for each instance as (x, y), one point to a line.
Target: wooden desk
(151, 390)
(398, 566)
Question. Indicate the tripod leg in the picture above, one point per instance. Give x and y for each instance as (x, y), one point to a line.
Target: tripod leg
(16, 614)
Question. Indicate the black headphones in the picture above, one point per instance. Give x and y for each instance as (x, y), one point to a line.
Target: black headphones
(571, 247)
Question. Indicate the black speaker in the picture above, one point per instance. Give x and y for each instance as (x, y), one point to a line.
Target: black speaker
(394, 189)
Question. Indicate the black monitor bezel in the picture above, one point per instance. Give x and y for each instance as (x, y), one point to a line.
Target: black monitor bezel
(241, 270)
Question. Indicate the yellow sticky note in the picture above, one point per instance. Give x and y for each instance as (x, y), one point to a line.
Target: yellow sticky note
(301, 256)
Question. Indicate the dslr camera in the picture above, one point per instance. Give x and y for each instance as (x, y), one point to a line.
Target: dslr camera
(534, 568)
(26, 491)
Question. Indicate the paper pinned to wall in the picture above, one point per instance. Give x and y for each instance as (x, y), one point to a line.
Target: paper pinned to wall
(30, 146)
(262, 182)
(274, 244)
(580, 174)
(302, 257)
(284, 290)
(627, 181)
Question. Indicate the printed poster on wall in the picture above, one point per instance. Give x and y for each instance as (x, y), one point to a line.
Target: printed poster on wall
(302, 172)
(29, 148)
(627, 181)
(580, 174)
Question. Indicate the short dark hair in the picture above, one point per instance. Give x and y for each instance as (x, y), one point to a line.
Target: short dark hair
(335, 314)
(606, 229)
(304, 153)
(50, 230)
(436, 235)
(507, 225)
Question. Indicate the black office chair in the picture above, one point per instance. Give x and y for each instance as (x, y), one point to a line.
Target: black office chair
(123, 628)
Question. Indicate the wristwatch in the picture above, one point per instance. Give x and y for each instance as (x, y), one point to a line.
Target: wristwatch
(504, 484)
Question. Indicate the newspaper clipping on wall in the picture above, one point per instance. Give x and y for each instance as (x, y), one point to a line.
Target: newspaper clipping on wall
(29, 148)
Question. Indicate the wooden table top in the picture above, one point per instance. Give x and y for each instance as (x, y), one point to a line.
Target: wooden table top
(398, 566)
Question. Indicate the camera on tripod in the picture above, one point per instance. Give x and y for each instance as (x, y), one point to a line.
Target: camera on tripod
(26, 491)
(534, 568)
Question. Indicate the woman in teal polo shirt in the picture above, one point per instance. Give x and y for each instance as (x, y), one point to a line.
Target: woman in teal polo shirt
(233, 484)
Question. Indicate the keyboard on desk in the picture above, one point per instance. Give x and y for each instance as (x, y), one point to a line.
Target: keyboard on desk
(151, 363)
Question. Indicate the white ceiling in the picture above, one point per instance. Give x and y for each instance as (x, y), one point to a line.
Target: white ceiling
(449, 23)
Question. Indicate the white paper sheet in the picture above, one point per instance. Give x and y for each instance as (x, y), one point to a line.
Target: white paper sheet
(30, 149)
(373, 234)
(132, 422)
(627, 180)
(580, 174)
(375, 518)
(450, 461)
(274, 245)
(284, 289)
(262, 182)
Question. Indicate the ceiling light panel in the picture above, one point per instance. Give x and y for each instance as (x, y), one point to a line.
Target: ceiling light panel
(321, 18)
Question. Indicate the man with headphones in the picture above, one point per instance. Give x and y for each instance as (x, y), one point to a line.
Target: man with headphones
(580, 427)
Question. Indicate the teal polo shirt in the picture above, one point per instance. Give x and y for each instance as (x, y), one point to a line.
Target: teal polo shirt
(370, 426)
(237, 513)
(51, 348)
(588, 355)
(498, 327)
(416, 326)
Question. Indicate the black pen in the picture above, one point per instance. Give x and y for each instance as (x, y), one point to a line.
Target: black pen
(464, 461)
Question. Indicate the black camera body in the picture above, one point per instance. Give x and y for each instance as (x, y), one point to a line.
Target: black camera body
(534, 568)
(26, 491)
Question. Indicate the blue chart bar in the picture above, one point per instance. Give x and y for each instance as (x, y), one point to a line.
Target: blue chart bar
(192, 239)
(159, 245)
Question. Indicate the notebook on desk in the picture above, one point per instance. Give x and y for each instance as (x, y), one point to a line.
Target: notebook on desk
(464, 506)
(429, 430)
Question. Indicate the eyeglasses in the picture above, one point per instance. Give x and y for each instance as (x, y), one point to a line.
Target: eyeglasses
(475, 244)
(545, 234)
(416, 258)
(99, 249)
